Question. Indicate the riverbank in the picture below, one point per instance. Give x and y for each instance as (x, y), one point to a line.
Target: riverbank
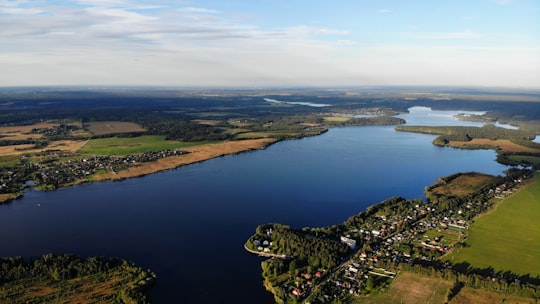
(266, 254)
(196, 154)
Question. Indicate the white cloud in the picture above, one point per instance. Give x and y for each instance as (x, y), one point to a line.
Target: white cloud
(132, 42)
(306, 31)
(466, 34)
(197, 10)
(347, 42)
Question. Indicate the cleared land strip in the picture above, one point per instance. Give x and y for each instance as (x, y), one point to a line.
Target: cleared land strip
(504, 145)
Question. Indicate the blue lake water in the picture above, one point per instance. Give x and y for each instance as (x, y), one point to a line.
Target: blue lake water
(189, 224)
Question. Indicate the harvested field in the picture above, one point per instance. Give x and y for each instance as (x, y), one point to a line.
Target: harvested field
(28, 128)
(336, 118)
(22, 132)
(197, 154)
(463, 184)
(469, 295)
(14, 149)
(207, 122)
(112, 127)
(20, 136)
(504, 145)
(63, 145)
(414, 288)
(307, 124)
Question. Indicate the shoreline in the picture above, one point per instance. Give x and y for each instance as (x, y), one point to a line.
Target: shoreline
(196, 154)
(266, 254)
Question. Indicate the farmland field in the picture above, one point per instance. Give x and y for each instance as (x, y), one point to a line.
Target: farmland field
(413, 288)
(509, 237)
(463, 184)
(132, 145)
(336, 118)
(469, 295)
(504, 145)
(112, 127)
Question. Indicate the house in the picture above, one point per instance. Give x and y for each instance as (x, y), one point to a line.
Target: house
(349, 242)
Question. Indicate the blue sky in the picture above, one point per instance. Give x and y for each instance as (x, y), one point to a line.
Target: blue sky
(243, 43)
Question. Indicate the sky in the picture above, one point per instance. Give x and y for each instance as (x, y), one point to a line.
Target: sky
(268, 43)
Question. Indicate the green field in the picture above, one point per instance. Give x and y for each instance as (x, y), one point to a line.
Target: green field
(509, 237)
(132, 145)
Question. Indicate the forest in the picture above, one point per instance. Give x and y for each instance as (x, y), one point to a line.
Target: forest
(68, 278)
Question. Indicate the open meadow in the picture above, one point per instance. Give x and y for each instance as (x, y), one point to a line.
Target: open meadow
(507, 239)
(133, 145)
(410, 288)
(468, 295)
(196, 154)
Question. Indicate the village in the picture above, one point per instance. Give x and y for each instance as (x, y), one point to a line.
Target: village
(59, 168)
(388, 234)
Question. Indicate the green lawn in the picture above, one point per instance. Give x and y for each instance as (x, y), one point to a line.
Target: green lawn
(509, 237)
(132, 145)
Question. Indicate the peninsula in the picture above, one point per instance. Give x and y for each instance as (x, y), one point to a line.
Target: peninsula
(358, 261)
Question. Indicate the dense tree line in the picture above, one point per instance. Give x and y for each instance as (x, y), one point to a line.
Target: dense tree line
(505, 158)
(393, 203)
(368, 121)
(461, 133)
(307, 247)
(185, 131)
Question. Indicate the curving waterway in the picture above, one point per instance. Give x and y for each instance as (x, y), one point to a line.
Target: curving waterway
(189, 224)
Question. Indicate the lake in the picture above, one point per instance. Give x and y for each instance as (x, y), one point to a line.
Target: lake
(189, 224)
